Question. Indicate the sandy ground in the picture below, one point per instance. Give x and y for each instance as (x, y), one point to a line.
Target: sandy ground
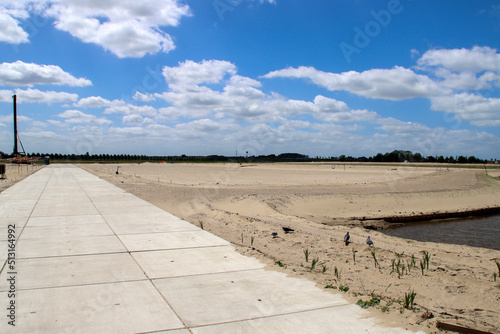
(15, 173)
(246, 204)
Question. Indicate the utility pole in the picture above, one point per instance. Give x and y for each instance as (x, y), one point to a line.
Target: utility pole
(16, 152)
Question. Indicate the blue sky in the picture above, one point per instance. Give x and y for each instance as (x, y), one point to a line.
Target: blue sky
(323, 78)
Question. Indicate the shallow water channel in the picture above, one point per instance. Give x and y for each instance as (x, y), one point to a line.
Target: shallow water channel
(477, 232)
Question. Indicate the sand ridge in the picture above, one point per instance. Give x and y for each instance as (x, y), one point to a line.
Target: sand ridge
(244, 205)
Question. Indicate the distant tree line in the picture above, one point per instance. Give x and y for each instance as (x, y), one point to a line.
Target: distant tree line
(394, 156)
(408, 156)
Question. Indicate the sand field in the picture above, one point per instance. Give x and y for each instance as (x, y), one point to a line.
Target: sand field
(15, 173)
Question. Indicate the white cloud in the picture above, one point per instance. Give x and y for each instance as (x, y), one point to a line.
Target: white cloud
(6, 95)
(203, 125)
(35, 95)
(396, 126)
(120, 107)
(10, 118)
(42, 135)
(56, 123)
(147, 133)
(135, 119)
(10, 30)
(466, 80)
(93, 102)
(39, 124)
(127, 28)
(477, 59)
(27, 74)
(115, 106)
(476, 109)
(125, 39)
(241, 98)
(393, 84)
(78, 117)
(463, 69)
(190, 73)
(138, 96)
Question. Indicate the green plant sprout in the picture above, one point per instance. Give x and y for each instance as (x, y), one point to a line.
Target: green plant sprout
(409, 300)
(314, 263)
(306, 254)
(374, 258)
(337, 273)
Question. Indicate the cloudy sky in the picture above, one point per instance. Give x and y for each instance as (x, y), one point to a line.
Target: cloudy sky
(323, 78)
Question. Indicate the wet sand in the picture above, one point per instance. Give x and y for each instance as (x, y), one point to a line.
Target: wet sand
(246, 204)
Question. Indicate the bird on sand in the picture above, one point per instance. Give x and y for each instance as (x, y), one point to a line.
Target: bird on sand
(287, 229)
(369, 241)
(346, 239)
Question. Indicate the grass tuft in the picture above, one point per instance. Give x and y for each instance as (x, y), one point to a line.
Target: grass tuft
(375, 262)
(409, 300)
(314, 263)
(337, 273)
(426, 259)
(280, 264)
(343, 288)
(306, 254)
(368, 303)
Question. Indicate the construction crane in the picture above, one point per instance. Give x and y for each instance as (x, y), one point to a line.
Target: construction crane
(19, 158)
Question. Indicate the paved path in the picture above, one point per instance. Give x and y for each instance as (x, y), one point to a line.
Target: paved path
(92, 258)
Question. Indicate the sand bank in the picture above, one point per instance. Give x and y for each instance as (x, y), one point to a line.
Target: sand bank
(15, 173)
(245, 205)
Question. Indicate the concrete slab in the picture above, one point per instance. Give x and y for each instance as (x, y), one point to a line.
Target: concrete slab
(67, 196)
(20, 194)
(139, 217)
(66, 220)
(194, 261)
(49, 208)
(243, 295)
(17, 208)
(122, 224)
(323, 321)
(74, 270)
(138, 208)
(129, 307)
(172, 240)
(111, 196)
(16, 223)
(127, 206)
(67, 231)
(59, 246)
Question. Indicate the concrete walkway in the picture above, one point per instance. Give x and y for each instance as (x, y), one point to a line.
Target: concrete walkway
(92, 258)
